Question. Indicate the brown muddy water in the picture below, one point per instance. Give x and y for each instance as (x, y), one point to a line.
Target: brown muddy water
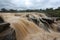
(33, 26)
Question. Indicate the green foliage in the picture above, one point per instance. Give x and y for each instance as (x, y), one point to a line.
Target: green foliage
(4, 10)
(52, 12)
(49, 11)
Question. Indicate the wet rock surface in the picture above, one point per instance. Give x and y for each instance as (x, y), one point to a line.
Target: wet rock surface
(8, 34)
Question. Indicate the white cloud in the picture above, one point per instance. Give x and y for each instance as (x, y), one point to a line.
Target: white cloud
(53, 3)
(28, 3)
(31, 4)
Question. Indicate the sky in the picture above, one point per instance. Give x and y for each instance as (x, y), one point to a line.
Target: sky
(29, 4)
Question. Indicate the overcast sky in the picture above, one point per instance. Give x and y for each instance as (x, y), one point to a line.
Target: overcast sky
(29, 4)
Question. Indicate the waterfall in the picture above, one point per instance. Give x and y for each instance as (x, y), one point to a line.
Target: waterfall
(31, 27)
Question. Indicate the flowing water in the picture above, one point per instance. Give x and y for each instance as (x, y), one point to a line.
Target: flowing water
(28, 30)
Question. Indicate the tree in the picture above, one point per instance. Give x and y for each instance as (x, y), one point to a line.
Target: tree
(4, 10)
(12, 10)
